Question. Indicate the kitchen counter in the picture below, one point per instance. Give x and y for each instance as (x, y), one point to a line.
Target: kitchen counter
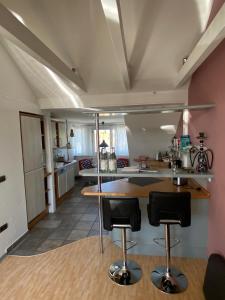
(64, 165)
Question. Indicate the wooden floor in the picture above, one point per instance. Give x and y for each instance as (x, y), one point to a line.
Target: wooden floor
(78, 271)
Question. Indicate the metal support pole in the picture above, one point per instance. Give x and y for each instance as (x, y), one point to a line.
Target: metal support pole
(99, 183)
(123, 231)
(167, 239)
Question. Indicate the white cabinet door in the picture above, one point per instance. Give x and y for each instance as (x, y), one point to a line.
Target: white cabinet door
(62, 134)
(70, 176)
(32, 143)
(62, 182)
(35, 193)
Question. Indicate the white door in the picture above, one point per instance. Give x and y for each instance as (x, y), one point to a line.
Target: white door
(62, 184)
(35, 193)
(32, 143)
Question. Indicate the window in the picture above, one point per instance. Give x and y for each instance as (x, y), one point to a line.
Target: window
(104, 135)
(84, 140)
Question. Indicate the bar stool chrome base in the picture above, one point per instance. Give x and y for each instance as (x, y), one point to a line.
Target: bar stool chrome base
(172, 283)
(125, 276)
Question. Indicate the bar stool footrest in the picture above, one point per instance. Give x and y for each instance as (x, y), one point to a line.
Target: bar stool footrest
(131, 243)
(170, 283)
(158, 241)
(125, 276)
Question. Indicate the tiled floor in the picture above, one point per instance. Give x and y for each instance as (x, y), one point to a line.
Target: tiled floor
(75, 218)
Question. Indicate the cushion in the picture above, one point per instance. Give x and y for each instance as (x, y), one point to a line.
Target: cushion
(85, 163)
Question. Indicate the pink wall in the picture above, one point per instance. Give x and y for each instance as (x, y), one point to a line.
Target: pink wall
(207, 86)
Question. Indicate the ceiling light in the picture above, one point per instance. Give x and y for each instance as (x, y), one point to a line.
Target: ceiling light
(167, 111)
(19, 18)
(168, 128)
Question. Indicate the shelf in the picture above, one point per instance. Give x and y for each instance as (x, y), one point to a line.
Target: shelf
(148, 109)
(162, 173)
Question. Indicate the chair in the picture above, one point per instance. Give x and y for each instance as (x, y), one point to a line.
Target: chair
(122, 213)
(122, 162)
(169, 208)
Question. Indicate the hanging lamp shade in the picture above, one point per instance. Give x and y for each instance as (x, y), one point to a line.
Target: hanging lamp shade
(103, 144)
(71, 133)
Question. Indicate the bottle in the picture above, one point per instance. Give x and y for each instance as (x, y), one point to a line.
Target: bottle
(103, 161)
(112, 161)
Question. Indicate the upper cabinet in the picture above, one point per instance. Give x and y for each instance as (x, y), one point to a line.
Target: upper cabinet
(32, 143)
(59, 136)
(62, 134)
(54, 135)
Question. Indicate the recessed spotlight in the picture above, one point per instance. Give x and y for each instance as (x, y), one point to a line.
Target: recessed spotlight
(185, 60)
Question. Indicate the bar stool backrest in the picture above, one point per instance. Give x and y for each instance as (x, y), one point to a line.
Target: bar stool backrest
(121, 211)
(169, 208)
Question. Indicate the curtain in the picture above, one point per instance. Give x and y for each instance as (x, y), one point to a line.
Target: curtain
(120, 140)
(82, 143)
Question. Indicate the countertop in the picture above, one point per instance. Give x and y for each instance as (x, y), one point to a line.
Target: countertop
(64, 165)
(123, 188)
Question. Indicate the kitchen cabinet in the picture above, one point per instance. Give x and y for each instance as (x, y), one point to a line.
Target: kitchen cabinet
(32, 133)
(31, 143)
(62, 134)
(35, 193)
(64, 179)
(54, 135)
(59, 134)
(70, 176)
(62, 182)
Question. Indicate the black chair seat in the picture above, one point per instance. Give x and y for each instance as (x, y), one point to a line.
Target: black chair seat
(169, 206)
(121, 211)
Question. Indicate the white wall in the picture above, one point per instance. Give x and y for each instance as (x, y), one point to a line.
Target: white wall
(144, 135)
(15, 96)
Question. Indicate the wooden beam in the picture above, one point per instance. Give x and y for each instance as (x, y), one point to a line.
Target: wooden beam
(211, 38)
(26, 40)
(112, 12)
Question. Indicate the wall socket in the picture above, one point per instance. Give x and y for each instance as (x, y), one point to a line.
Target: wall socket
(3, 227)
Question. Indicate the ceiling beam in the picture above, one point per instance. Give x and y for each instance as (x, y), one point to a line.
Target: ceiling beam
(27, 41)
(211, 38)
(112, 12)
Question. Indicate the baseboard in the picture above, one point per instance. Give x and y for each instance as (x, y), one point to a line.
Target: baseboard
(32, 223)
(16, 242)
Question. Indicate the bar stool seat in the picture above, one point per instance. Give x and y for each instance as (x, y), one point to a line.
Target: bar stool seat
(122, 213)
(169, 208)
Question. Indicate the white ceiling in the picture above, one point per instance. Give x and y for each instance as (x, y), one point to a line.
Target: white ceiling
(157, 35)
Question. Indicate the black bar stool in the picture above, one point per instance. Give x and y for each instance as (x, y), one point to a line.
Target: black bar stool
(169, 209)
(123, 213)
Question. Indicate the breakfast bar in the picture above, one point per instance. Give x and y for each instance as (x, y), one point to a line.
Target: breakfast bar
(141, 184)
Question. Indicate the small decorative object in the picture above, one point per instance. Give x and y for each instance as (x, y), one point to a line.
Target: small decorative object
(202, 155)
(103, 144)
(185, 141)
(103, 160)
(112, 161)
